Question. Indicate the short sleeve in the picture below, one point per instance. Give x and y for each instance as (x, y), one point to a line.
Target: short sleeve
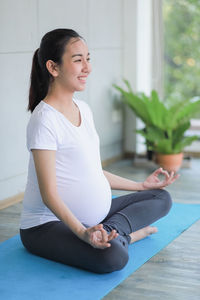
(41, 136)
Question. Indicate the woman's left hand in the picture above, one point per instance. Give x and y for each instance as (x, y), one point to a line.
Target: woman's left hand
(98, 237)
(153, 182)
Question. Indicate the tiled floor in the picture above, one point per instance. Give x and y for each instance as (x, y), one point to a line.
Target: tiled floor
(174, 273)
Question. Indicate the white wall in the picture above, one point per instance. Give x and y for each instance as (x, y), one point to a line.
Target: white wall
(22, 24)
(144, 59)
(130, 68)
(18, 36)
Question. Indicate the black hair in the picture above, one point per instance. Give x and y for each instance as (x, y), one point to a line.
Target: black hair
(52, 47)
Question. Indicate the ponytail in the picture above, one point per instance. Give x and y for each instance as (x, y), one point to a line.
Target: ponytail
(39, 82)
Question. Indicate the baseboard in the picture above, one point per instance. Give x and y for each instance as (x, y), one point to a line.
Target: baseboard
(129, 155)
(133, 155)
(11, 200)
(111, 160)
(192, 154)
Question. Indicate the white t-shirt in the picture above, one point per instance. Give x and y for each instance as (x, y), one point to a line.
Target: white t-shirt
(81, 183)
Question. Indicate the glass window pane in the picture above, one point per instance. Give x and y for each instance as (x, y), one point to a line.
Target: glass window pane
(182, 49)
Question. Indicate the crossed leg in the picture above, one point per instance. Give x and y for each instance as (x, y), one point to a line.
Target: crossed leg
(132, 214)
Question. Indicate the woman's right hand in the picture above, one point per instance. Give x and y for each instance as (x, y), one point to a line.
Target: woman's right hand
(98, 237)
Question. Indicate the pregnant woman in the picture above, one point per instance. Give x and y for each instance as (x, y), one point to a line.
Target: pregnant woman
(68, 214)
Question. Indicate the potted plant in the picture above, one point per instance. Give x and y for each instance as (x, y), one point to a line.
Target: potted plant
(164, 125)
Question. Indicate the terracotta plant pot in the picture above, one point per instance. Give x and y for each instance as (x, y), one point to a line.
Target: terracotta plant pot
(169, 162)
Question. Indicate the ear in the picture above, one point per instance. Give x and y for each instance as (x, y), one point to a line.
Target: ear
(52, 68)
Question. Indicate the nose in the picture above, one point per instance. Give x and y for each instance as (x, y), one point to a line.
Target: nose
(86, 66)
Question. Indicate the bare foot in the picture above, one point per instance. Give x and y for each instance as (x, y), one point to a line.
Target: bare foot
(142, 233)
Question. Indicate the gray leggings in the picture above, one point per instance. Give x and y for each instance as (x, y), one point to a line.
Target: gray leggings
(128, 213)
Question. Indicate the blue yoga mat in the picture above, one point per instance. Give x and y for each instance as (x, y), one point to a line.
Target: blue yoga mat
(25, 276)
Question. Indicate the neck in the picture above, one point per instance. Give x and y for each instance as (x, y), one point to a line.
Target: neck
(59, 97)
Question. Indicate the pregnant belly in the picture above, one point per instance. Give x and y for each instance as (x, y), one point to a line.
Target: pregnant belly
(89, 200)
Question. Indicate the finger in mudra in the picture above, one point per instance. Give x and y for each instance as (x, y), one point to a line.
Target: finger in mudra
(99, 238)
(153, 181)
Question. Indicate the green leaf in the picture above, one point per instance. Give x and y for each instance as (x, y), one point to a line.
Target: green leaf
(164, 125)
(136, 104)
(186, 141)
(188, 110)
(178, 133)
(157, 110)
(164, 146)
(128, 85)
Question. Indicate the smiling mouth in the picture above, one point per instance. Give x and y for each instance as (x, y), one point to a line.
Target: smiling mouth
(82, 79)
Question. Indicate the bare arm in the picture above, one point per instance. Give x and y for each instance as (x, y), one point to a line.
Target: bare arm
(45, 164)
(151, 182)
(121, 183)
(46, 174)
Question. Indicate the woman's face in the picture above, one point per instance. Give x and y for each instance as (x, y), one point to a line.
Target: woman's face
(75, 67)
